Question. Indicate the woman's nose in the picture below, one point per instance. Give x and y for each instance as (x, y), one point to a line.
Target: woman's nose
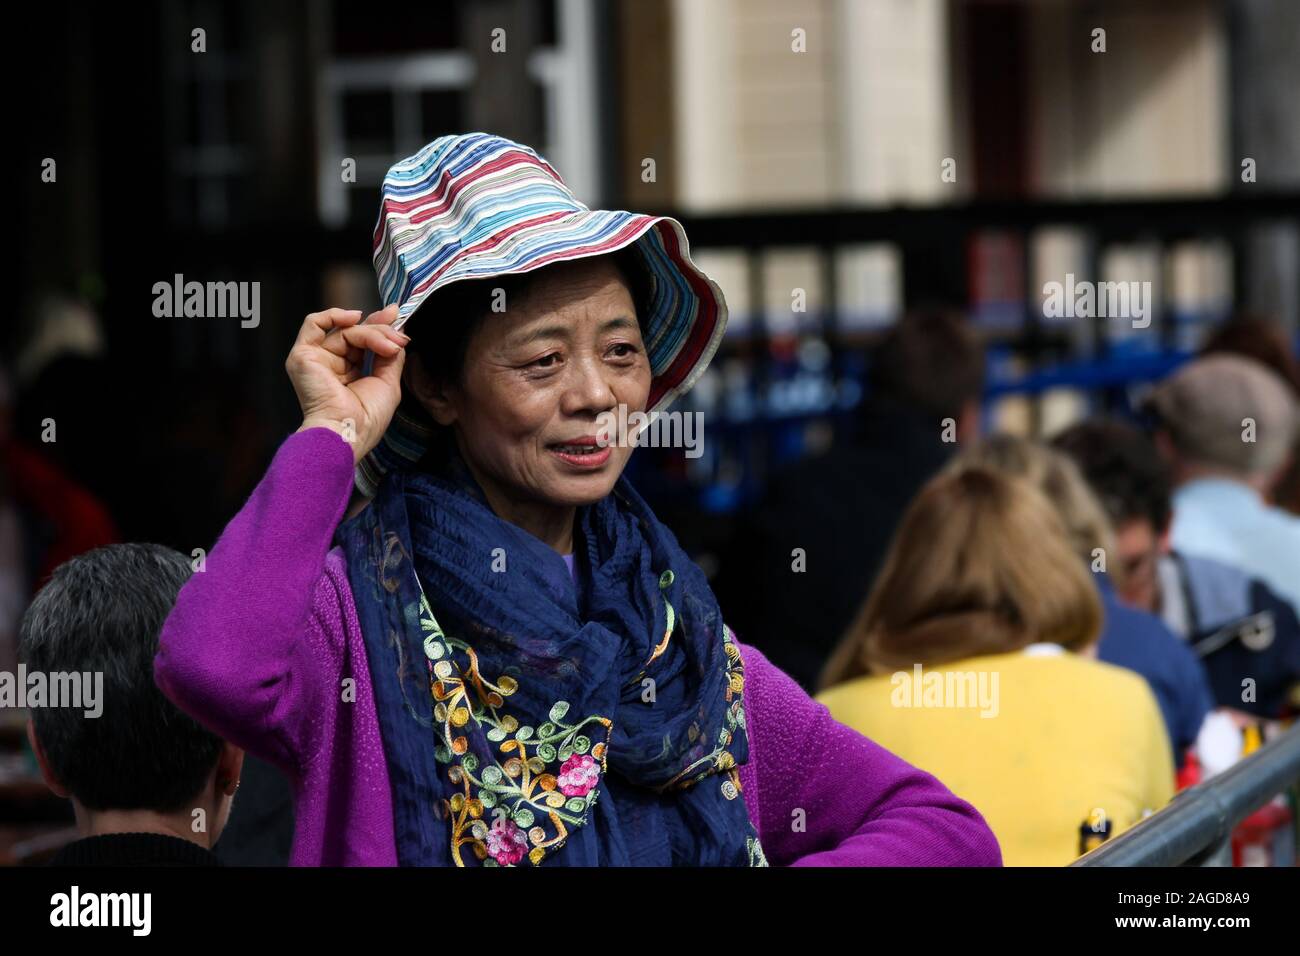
(588, 388)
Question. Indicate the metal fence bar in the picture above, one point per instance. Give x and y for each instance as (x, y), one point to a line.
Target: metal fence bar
(1199, 821)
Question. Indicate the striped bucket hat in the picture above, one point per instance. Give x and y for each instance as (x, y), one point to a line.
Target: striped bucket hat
(476, 205)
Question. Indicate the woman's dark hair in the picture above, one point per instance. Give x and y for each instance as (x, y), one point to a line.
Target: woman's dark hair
(102, 612)
(455, 312)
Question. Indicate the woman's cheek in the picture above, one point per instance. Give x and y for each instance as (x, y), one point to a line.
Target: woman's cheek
(521, 427)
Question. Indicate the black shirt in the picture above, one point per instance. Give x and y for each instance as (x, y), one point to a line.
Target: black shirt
(134, 849)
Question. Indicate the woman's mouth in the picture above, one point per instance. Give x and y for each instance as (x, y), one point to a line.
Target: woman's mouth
(582, 452)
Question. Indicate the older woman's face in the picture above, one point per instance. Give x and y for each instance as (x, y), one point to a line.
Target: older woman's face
(536, 378)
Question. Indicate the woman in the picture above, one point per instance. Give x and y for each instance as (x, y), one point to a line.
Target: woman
(506, 658)
(1130, 638)
(971, 659)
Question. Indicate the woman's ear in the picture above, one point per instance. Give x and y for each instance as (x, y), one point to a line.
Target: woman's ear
(438, 399)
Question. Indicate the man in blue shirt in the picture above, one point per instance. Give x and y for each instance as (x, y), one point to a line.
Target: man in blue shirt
(1139, 642)
(1226, 426)
(1246, 635)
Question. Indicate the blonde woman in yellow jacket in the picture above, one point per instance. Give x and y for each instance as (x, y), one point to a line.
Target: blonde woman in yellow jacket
(971, 658)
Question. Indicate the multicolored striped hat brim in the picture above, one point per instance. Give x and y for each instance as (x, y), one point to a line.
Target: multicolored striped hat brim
(477, 205)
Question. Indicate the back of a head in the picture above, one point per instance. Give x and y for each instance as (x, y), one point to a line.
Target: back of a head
(1057, 477)
(1228, 412)
(1123, 468)
(101, 613)
(932, 362)
(981, 564)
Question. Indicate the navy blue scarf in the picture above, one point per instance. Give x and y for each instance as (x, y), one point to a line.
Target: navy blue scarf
(525, 718)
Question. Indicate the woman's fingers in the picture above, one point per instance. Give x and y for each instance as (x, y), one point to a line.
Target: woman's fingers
(318, 324)
(338, 340)
(330, 317)
(321, 328)
(380, 339)
(340, 364)
(348, 346)
(385, 316)
(389, 367)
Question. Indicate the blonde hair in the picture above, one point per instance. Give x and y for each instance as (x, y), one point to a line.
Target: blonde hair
(980, 564)
(1057, 476)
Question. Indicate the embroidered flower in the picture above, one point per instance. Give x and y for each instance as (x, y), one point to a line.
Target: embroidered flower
(578, 775)
(506, 842)
(520, 771)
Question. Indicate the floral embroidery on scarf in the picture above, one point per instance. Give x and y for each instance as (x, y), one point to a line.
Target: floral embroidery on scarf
(546, 780)
(720, 758)
(550, 774)
(500, 775)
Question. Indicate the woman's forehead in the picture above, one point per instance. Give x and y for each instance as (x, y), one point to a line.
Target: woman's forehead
(566, 303)
(574, 281)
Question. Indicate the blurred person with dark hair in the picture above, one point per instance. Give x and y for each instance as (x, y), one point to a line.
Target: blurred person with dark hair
(925, 380)
(45, 519)
(1265, 341)
(972, 658)
(61, 360)
(1227, 425)
(149, 786)
(1130, 638)
(1258, 338)
(1239, 627)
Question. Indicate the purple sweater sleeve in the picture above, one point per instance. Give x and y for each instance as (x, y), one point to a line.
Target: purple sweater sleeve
(862, 806)
(247, 649)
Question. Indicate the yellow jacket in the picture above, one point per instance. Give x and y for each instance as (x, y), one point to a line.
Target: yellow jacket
(1037, 742)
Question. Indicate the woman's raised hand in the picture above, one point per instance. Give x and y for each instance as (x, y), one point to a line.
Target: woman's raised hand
(325, 366)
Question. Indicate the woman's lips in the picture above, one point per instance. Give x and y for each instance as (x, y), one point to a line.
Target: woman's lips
(583, 453)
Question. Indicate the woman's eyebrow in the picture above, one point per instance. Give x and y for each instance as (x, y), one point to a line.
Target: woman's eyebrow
(543, 332)
(561, 331)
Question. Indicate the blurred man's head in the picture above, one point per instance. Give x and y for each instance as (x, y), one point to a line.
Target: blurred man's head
(140, 764)
(932, 363)
(1125, 471)
(1225, 416)
(1265, 340)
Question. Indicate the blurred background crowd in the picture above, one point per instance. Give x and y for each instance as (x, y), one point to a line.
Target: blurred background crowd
(881, 188)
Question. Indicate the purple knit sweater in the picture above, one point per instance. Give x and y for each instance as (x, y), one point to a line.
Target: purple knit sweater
(264, 648)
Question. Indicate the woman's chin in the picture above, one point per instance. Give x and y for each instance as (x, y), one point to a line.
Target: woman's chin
(575, 490)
